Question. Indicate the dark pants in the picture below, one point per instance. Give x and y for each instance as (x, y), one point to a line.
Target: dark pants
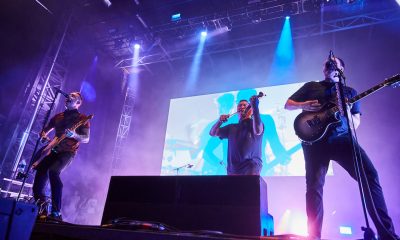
(317, 157)
(50, 169)
(249, 167)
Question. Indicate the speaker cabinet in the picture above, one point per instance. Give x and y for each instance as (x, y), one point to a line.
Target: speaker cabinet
(16, 219)
(230, 204)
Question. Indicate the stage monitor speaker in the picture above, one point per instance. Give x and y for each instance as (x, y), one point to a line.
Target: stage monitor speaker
(16, 219)
(230, 204)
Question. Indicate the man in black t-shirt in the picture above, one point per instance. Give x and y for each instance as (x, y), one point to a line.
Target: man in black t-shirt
(335, 145)
(50, 168)
(244, 139)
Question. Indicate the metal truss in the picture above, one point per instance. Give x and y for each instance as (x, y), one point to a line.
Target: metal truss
(123, 127)
(119, 42)
(324, 27)
(36, 100)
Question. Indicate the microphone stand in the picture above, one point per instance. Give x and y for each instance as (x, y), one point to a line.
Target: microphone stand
(46, 119)
(184, 166)
(358, 165)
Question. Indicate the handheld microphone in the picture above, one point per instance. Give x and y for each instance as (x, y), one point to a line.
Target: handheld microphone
(330, 63)
(331, 57)
(62, 92)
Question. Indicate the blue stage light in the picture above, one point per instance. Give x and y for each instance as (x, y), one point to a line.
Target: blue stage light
(204, 33)
(283, 66)
(176, 17)
(287, 17)
(137, 46)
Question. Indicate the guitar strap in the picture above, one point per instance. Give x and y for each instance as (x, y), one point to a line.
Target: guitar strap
(339, 99)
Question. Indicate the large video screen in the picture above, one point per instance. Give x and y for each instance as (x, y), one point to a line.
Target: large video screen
(190, 150)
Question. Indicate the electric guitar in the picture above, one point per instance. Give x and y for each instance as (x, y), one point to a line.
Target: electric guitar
(312, 126)
(46, 150)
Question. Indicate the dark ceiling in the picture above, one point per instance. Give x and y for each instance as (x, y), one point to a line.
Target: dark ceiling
(116, 27)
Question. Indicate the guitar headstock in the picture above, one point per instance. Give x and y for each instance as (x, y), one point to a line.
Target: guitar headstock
(393, 81)
(90, 116)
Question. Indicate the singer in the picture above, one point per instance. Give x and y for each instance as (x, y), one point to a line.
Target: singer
(61, 155)
(334, 145)
(244, 138)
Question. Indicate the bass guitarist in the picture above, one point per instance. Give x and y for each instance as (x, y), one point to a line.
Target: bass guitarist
(335, 144)
(50, 168)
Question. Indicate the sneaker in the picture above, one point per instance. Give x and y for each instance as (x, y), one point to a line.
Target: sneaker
(41, 217)
(55, 216)
(43, 206)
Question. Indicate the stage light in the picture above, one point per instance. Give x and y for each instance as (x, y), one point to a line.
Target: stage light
(345, 230)
(283, 65)
(176, 17)
(107, 3)
(136, 46)
(196, 63)
(398, 2)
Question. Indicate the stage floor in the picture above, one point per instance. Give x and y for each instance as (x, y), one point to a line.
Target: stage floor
(66, 231)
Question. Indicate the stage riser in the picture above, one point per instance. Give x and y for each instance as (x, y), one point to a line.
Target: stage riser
(230, 204)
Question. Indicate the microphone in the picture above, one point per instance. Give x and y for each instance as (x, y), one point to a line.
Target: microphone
(189, 165)
(331, 57)
(62, 92)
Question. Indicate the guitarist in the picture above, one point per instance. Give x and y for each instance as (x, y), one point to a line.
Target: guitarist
(335, 145)
(61, 155)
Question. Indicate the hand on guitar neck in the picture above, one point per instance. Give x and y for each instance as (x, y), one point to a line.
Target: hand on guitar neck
(43, 137)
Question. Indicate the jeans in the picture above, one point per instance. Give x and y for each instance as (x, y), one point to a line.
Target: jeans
(50, 169)
(249, 167)
(317, 157)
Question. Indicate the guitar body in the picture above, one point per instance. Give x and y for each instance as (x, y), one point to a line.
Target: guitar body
(312, 126)
(45, 151)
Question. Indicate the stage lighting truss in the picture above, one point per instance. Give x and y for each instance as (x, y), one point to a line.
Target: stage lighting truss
(176, 39)
(324, 27)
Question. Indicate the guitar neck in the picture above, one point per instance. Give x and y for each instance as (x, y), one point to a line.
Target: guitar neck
(368, 92)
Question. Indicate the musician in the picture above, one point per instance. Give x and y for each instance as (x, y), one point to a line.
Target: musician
(334, 145)
(244, 138)
(61, 156)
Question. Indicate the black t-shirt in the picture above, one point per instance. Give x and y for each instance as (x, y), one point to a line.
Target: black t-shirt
(325, 93)
(243, 145)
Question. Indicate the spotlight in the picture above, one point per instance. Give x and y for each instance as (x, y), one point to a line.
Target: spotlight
(136, 46)
(204, 33)
(107, 3)
(176, 17)
(287, 17)
(345, 230)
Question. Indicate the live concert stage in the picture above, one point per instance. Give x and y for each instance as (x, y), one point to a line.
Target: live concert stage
(199, 119)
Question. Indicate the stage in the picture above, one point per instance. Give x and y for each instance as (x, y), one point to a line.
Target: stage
(64, 231)
(158, 76)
